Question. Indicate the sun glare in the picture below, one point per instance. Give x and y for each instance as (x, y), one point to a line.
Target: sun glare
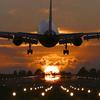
(51, 69)
(64, 30)
(52, 73)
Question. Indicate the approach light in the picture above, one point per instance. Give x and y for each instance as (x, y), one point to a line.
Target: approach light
(99, 94)
(67, 90)
(82, 89)
(51, 87)
(71, 94)
(61, 86)
(14, 94)
(31, 89)
(25, 89)
(89, 91)
(46, 90)
(74, 88)
(43, 93)
(38, 87)
(78, 89)
(41, 87)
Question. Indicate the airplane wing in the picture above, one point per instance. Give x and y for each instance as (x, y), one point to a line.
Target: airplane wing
(26, 37)
(69, 38)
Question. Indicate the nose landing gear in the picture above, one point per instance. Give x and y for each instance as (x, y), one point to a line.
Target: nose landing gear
(66, 51)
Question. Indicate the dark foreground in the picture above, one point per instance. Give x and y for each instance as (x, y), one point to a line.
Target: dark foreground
(36, 89)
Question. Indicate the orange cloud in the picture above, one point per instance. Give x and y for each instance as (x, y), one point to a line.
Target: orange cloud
(62, 30)
(12, 12)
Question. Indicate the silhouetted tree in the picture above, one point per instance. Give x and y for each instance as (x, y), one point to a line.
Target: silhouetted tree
(63, 73)
(98, 74)
(22, 73)
(29, 73)
(93, 73)
(38, 72)
(15, 73)
(83, 72)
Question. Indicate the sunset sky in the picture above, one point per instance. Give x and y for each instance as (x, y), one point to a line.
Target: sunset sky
(68, 15)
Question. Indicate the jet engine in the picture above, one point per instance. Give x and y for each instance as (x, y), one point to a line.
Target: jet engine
(77, 41)
(17, 41)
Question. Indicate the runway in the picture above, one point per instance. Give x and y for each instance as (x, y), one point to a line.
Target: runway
(39, 89)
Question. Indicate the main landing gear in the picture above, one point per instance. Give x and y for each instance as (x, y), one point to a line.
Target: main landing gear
(66, 51)
(30, 51)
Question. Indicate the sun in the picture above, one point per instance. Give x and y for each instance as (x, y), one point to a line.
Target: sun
(51, 70)
(52, 73)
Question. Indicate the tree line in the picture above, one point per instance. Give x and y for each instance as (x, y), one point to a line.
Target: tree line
(92, 73)
(21, 73)
(82, 72)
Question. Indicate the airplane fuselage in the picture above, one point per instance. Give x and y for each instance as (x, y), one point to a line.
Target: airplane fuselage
(49, 39)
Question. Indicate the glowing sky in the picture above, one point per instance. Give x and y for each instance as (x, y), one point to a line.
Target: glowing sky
(12, 57)
(70, 15)
(25, 15)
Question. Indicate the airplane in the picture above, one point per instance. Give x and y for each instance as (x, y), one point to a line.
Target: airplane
(49, 36)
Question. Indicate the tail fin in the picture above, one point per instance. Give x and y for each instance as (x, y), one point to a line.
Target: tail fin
(50, 16)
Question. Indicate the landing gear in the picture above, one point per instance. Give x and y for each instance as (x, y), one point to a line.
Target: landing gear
(66, 51)
(30, 51)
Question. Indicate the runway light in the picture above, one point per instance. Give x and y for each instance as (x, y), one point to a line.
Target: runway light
(14, 94)
(51, 87)
(61, 86)
(25, 89)
(89, 91)
(74, 88)
(38, 87)
(64, 89)
(78, 89)
(82, 89)
(43, 94)
(67, 90)
(71, 94)
(46, 90)
(70, 86)
(31, 89)
(42, 87)
(99, 94)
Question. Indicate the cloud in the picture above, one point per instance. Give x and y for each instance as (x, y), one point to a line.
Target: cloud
(68, 63)
(78, 15)
(12, 12)
(86, 55)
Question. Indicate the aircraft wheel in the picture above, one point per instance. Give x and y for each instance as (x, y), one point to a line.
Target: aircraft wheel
(29, 51)
(66, 52)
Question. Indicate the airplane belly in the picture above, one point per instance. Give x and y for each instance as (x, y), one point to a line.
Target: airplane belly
(48, 41)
